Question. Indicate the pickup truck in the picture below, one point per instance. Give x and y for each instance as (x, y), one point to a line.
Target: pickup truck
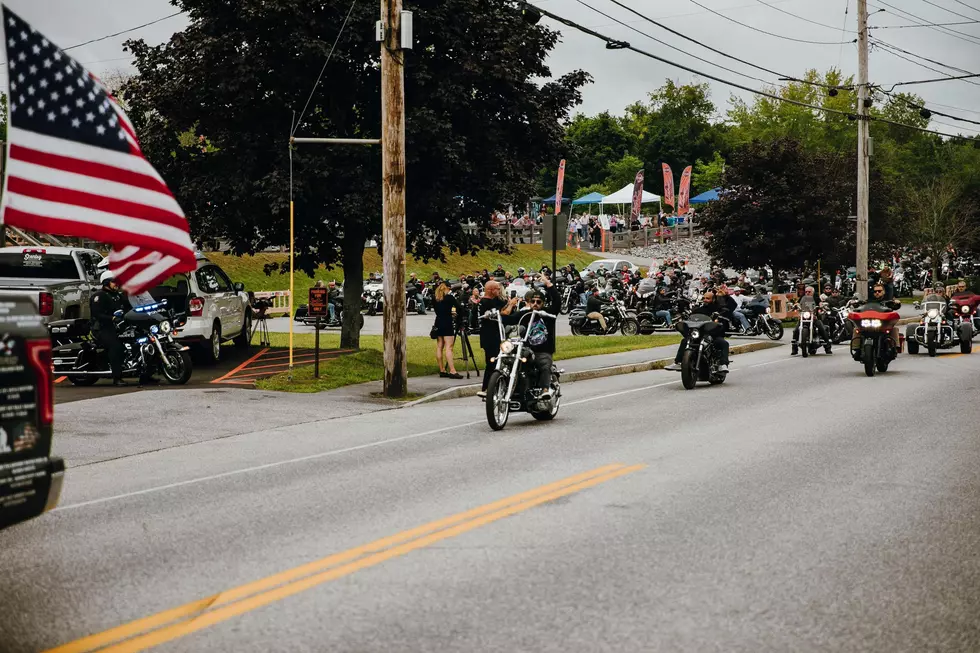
(30, 479)
(59, 280)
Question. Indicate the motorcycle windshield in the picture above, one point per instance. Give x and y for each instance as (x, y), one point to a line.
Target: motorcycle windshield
(144, 317)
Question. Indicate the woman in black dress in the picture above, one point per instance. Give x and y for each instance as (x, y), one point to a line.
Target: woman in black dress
(489, 329)
(446, 308)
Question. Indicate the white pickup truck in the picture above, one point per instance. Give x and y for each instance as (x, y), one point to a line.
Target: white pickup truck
(59, 280)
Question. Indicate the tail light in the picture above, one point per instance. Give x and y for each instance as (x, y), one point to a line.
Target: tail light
(196, 306)
(45, 303)
(39, 356)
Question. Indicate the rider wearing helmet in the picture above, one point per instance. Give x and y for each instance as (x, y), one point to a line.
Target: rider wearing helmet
(106, 306)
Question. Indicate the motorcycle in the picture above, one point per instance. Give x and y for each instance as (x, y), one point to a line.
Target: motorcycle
(569, 299)
(649, 322)
(761, 321)
(413, 305)
(617, 319)
(700, 359)
(147, 337)
(809, 341)
(839, 326)
(937, 330)
(509, 387)
(872, 344)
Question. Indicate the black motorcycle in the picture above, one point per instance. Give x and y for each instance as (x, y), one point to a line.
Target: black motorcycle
(650, 322)
(569, 299)
(617, 319)
(413, 305)
(147, 337)
(761, 321)
(700, 360)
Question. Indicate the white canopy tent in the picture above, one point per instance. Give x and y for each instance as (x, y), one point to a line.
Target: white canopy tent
(625, 196)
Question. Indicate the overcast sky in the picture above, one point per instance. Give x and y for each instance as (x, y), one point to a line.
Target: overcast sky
(622, 77)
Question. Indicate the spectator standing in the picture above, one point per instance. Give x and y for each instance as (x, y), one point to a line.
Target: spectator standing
(445, 307)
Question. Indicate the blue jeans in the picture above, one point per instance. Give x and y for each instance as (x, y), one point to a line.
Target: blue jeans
(582, 298)
(665, 316)
(740, 316)
(331, 311)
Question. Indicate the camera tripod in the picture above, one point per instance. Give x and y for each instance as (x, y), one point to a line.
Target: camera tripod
(261, 325)
(463, 334)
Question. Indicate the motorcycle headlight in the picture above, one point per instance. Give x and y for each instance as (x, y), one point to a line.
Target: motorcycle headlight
(872, 324)
(933, 313)
(506, 347)
(806, 315)
(165, 326)
(153, 328)
(768, 310)
(695, 334)
(965, 310)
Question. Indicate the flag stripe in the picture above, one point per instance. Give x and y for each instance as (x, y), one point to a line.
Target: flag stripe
(54, 177)
(88, 168)
(150, 274)
(105, 203)
(87, 153)
(99, 225)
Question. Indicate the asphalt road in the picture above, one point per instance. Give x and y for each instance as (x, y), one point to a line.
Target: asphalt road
(798, 507)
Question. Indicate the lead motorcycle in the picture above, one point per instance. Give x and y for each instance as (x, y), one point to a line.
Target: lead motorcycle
(700, 360)
(147, 337)
(872, 345)
(509, 387)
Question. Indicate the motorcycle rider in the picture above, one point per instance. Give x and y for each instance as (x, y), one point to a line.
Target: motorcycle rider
(334, 299)
(734, 306)
(809, 303)
(106, 306)
(545, 299)
(593, 308)
(708, 307)
(414, 288)
(659, 305)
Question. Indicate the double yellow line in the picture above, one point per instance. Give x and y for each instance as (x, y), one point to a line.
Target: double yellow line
(177, 622)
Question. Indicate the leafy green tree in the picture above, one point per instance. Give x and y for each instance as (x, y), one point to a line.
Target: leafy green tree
(483, 115)
(707, 175)
(593, 143)
(783, 207)
(622, 172)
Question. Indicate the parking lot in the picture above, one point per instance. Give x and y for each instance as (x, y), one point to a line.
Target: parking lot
(236, 368)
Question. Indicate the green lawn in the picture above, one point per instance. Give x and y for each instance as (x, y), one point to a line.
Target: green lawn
(249, 269)
(368, 364)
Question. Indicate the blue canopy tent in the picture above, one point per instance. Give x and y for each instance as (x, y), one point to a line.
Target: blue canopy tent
(551, 200)
(706, 196)
(591, 198)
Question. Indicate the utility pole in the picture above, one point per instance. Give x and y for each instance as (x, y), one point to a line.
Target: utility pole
(393, 198)
(862, 152)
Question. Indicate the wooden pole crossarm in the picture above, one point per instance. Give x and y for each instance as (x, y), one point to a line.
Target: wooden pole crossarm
(335, 141)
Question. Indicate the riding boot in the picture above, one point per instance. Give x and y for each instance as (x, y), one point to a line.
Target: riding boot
(795, 350)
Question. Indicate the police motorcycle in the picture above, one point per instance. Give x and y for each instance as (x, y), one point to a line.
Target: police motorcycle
(872, 345)
(147, 337)
(510, 387)
(617, 319)
(700, 360)
(940, 327)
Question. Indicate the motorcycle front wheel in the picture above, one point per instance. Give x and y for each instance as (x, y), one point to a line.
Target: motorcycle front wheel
(630, 327)
(775, 330)
(689, 375)
(868, 357)
(498, 409)
(180, 368)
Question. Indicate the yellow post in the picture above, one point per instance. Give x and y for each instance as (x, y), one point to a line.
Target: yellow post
(291, 288)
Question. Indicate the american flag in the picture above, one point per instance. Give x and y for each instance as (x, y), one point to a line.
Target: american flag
(75, 168)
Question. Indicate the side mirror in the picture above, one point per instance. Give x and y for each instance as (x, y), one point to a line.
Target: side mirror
(238, 286)
(917, 306)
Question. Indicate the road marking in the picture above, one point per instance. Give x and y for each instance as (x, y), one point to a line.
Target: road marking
(168, 625)
(220, 379)
(781, 360)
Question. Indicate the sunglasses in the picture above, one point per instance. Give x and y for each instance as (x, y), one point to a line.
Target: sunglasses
(879, 292)
(535, 301)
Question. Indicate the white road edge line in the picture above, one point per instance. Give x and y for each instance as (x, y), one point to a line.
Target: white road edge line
(335, 452)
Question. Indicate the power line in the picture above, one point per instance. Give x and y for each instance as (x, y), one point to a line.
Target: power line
(960, 2)
(921, 107)
(762, 31)
(843, 28)
(963, 36)
(125, 31)
(922, 65)
(955, 13)
(615, 44)
(919, 56)
(803, 18)
(713, 49)
(652, 38)
(961, 22)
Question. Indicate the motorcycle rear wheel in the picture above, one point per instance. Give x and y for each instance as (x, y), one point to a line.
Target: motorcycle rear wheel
(689, 375)
(966, 346)
(498, 410)
(548, 415)
(868, 357)
(913, 346)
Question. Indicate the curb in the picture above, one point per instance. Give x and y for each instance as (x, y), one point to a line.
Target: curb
(461, 391)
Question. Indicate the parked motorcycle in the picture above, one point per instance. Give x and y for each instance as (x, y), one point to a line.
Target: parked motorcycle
(617, 319)
(569, 299)
(700, 359)
(510, 387)
(147, 337)
(873, 345)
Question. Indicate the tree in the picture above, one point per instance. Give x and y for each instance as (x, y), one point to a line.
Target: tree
(483, 115)
(592, 144)
(622, 172)
(784, 206)
(707, 175)
(939, 217)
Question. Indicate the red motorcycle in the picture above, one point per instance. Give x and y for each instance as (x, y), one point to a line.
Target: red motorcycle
(873, 344)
